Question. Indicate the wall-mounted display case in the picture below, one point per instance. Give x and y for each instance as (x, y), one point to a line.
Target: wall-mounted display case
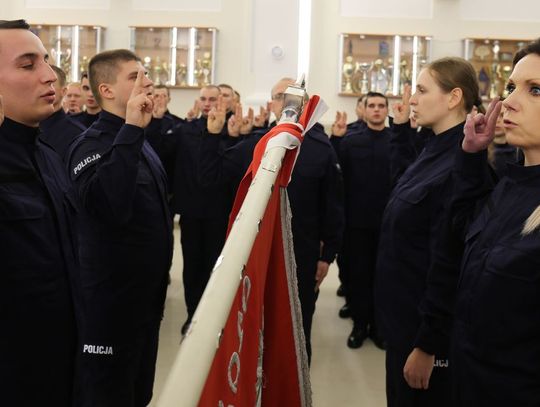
(492, 60)
(380, 63)
(177, 56)
(70, 47)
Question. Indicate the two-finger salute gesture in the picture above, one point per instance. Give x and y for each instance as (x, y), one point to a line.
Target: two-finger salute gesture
(480, 129)
(216, 117)
(402, 110)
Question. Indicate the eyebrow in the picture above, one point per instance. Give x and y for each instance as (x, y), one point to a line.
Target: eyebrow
(31, 55)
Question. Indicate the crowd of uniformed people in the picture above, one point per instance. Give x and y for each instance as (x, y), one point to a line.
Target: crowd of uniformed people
(433, 216)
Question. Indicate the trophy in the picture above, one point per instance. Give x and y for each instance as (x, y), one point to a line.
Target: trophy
(348, 71)
(147, 63)
(405, 77)
(181, 73)
(496, 77)
(83, 65)
(206, 68)
(64, 57)
(364, 67)
(379, 77)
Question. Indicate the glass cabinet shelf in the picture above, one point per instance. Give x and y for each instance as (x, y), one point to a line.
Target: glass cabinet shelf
(380, 63)
(70, 47)
(492, 61)
(177, 56)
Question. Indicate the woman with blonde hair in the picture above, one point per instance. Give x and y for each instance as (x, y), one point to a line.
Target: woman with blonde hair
(417, 354)
(496, 338)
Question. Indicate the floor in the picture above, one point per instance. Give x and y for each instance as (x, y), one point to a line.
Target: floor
(340, 377)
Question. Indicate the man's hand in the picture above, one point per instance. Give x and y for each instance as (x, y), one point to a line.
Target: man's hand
(194, 112)
(247, 123)
(418, 368)
(261, 118)
(216, 117)
(140, 104)
(160, 107)
(402, 110)
(235, 121)
(479, 129)
(322, 271)
(339, 127)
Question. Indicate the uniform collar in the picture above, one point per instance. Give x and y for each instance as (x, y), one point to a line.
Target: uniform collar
(50, 121)
(445, 140)
(18, 132)
(111, 120)
(521, 174)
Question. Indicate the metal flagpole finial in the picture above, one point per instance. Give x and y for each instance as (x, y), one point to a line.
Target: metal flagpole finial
(294, 99)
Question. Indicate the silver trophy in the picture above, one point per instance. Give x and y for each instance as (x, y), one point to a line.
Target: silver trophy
(380, 81)
(364, 68)
(348, 71)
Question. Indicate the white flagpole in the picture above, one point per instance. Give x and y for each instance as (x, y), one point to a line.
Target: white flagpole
(191, 367)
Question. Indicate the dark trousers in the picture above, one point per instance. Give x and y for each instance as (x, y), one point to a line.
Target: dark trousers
(305, 273)
(398, 392)
(202, 241)
(37, 347)
(124, 378)
(361, 256)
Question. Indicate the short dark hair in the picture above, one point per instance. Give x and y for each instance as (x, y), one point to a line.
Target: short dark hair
(84, 74)
(161, 86)
(14, 24)
(374, 95)
(532, 48)
(224, 85)
(60, 74)
(103, 68)
(361, 99)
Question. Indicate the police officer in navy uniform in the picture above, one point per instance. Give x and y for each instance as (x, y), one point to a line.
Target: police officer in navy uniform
(364, 156)
(60, 129)
(203, 210)
(417, 353)
(91, 113)
(496, 337)
(125, 237)
(315, 195)
(38, 339)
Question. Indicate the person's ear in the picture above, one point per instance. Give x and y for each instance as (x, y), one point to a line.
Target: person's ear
(106, 91)
(455, 98)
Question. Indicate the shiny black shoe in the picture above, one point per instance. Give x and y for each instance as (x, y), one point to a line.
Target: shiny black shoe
(379, 341)
(185, 327)
(357, 337)
(340, 291)
(345, 311)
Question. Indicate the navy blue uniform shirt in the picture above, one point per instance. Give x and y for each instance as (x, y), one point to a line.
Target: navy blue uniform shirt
(497, 325)
(365, 161)
(410, 227)
(37, 343)
(60, 130)
(85, 118)
(179, 151)
(125, 226)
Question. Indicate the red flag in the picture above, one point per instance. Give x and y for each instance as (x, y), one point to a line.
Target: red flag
(261, 358)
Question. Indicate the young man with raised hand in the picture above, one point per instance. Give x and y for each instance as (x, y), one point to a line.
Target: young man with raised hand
(125, 237)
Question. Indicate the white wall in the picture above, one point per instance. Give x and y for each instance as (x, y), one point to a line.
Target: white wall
(249, 28)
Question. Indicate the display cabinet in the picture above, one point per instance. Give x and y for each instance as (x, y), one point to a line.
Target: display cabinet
(492, 60)
(380, 63)
(70, 47)
(177, 56)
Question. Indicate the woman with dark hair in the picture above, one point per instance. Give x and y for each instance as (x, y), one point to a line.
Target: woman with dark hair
(446, 91)
(496, 338)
